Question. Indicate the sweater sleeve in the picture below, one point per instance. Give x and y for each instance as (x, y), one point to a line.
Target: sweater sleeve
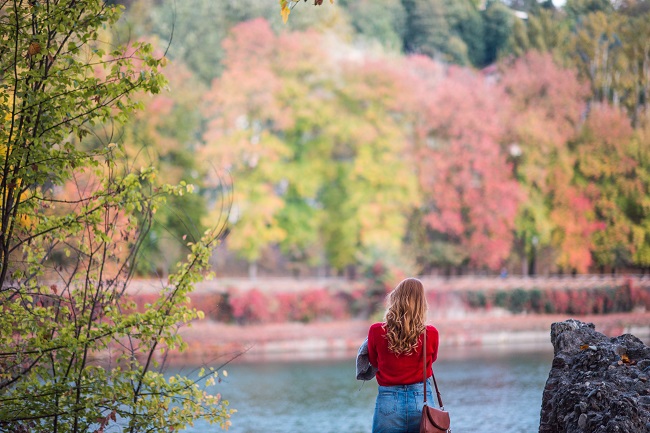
(372, 346)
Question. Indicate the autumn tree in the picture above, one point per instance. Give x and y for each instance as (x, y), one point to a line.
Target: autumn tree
(165, 135)
(545, 31)
(548, 104)
(312, 147)
(72, 219)
(243, 114)
(470, 195)
(609, 48)
(614, 164)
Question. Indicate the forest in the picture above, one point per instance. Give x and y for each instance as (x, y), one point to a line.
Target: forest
(430, 136)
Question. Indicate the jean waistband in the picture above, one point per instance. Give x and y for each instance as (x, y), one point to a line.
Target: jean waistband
(411, 387)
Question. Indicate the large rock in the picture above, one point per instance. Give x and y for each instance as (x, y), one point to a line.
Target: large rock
(597, 384)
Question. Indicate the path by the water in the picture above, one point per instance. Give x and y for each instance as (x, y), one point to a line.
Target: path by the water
(332, 340)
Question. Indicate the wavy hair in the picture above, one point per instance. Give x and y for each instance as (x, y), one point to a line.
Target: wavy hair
(406, 309)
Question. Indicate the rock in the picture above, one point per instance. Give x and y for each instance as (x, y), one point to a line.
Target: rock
(596, 384)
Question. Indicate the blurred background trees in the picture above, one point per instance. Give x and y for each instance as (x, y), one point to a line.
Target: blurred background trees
(429, 135)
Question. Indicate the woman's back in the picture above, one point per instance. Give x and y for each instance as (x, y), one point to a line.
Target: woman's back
(402, 369)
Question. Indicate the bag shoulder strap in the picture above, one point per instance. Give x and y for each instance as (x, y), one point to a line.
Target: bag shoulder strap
(424, 373)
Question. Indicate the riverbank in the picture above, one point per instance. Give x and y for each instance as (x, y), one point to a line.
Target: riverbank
(210, 341)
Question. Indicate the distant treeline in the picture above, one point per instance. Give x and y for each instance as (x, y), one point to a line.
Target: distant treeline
(413, 134)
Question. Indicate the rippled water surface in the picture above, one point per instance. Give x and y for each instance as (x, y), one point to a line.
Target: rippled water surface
(485, 391)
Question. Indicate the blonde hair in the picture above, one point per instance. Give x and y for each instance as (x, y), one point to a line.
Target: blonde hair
(406, 309)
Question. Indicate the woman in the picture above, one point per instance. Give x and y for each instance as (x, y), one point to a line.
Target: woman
(395, 349)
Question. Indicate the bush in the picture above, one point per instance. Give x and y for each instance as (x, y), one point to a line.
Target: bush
(602, 300)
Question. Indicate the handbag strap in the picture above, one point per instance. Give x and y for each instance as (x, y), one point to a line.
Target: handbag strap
(424, 373)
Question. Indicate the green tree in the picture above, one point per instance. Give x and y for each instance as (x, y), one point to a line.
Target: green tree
(428, 32)
(466, 22)
(66, 259)
(196, 29)
(576, 9)
(498, 24)
(381, 20)
(640, 150)
(635, 33)
(614, 163)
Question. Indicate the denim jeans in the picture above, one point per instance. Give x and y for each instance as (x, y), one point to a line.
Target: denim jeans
(398, 408)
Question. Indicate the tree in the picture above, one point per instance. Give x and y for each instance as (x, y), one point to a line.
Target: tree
(635, 33)
(465, 21)
(381, 20)
(196, 29)
(309, 140)
(599, 55)
(613, 164)
(471, 198)
(242, 114)
(65, 262)
(548, 104)
(544, 30)
(575, 9)
(165, 135)
(640, 150)
(428, 32)
(498, 24)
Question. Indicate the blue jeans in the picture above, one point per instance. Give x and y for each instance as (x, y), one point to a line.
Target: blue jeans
(398, 408)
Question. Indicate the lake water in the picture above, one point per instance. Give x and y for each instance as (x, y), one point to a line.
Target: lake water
(486, 391)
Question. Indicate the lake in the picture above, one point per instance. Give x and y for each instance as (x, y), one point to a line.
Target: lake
(484, 390)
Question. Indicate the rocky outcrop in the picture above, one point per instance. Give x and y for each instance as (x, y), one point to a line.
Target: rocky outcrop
(596, 384)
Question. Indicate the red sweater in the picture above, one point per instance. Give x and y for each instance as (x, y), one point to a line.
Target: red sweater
(399, 369)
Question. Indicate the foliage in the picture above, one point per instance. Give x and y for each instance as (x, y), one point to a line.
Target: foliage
(471, 196)
(547, 108)
(319, 304)
(379, 20)
(609, 161)
(73, 219)
(164, 135)
(287, 5)
(498, 27)
(255, 306)
(304, 201)
(598, 300)
(309, 152)
(544, 31)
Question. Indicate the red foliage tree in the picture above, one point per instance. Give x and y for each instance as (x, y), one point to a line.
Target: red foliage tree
(470, 191)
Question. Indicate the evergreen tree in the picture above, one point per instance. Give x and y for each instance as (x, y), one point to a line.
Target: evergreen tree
(498, 26)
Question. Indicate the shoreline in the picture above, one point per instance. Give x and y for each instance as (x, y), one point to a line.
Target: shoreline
(210, 342)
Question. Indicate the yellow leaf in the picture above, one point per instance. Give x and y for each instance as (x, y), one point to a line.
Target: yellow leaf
(285, 10)
(584, 347)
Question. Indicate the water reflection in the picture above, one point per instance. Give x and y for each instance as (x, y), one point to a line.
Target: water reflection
(484, 391)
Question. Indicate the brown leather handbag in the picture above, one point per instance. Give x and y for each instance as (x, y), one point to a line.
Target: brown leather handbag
(433, 420)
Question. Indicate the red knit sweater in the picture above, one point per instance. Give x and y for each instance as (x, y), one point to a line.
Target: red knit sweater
(399, 369)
